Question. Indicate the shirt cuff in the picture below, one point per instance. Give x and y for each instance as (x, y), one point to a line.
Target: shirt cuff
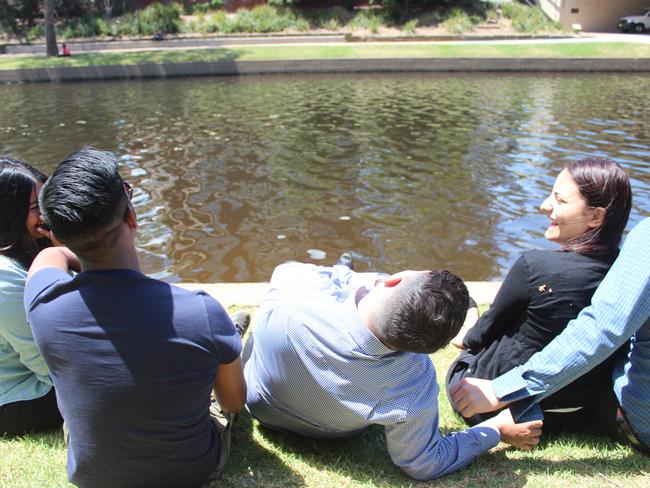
(526, 411)
(511, 386)
(486, 437)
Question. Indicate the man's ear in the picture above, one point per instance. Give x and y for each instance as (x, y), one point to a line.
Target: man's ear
(391, 282)
(130, 217)
(597, 217)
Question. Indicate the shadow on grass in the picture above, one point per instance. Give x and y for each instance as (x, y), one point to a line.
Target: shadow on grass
(251, 464)
(365, 459)
(50, 439)
(127, 58)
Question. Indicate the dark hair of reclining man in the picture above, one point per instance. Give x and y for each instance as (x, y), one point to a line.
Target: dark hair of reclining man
(134, 360)
(333, 352)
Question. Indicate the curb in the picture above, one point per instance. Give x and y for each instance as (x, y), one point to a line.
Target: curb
(250, 294)
(378, 65)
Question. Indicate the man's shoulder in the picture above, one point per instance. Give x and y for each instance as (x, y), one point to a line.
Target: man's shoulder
(640, 232)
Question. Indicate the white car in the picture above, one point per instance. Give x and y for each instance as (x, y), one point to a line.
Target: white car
(636, 23)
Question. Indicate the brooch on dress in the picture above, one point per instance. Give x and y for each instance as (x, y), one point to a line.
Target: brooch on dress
(545, 288)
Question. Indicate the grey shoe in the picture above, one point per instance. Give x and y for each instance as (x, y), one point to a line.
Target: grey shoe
(241, 320)
(345, 259)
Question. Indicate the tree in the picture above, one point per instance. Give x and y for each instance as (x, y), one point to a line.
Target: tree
(108, 8)
(50, 32)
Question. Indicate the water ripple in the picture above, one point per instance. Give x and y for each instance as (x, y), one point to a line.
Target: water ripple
(235, 175)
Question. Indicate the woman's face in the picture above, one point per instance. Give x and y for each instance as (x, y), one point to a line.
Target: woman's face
(567, 211)
(34, 214)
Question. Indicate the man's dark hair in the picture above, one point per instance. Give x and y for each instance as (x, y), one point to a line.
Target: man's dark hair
(17, 183)
(427, 314)
(84, 201)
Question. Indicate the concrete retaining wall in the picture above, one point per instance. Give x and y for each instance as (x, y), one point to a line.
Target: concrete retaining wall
(224, 68)
(250, 294)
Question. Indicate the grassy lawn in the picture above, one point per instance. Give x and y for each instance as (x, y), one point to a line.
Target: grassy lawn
(261, 458)
(343, 51)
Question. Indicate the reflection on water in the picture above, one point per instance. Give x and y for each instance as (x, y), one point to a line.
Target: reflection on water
(235, 175)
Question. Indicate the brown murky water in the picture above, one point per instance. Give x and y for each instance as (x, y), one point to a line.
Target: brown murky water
(235, 175)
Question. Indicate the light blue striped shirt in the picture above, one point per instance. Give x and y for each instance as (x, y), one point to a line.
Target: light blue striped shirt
(317, 370)
(619, 310)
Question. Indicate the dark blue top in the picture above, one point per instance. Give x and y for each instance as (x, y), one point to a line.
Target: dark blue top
(133, 361)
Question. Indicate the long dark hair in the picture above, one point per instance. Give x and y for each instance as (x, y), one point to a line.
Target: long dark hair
(17, 182)
(603, 183)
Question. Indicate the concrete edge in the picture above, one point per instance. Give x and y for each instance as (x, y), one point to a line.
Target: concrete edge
(250, 294)
(378, 65)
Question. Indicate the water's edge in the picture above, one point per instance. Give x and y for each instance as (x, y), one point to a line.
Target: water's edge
(393, 65)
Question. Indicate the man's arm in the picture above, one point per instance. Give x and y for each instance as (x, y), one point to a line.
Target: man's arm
(509, 304)
(230, 387)
(620, 306)
(416, 445)
(55, 257)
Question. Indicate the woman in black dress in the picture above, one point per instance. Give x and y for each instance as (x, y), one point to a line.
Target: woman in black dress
(587, 209)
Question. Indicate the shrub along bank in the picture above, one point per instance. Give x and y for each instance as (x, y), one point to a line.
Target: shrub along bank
(453, 17)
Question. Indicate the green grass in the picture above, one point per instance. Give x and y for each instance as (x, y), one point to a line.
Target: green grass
(343, 51)
(262, 458)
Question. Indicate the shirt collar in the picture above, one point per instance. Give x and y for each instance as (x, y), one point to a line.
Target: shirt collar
(365, 339)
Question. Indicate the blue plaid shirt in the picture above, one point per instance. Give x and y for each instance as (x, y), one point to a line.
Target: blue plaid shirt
(619, 310)
(317, 370)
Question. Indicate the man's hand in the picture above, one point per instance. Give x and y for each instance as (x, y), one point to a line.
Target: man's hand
(524, 436)
(472, 396)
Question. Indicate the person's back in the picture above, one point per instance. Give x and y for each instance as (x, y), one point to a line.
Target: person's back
(556, 286)
(133, 359)
(318, 377)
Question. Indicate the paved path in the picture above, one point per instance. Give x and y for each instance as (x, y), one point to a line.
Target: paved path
(250, 294)
(326, 39)
(184, 43)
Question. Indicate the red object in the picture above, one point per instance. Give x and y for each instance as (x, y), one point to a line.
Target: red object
(66, 51)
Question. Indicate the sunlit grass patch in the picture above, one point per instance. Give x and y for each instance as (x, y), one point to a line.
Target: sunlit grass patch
(338, 51)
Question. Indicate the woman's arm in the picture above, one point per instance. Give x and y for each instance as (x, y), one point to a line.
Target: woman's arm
(510, 302)
(13, 324)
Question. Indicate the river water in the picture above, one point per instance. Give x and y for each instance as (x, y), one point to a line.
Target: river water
(236, 175)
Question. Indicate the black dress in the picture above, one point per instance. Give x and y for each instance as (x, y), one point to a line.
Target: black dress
(543, 291)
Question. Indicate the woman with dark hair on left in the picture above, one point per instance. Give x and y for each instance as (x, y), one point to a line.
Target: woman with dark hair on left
(27, 398)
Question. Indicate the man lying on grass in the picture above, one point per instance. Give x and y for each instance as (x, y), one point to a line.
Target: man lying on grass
(334, 351)
(134, 360)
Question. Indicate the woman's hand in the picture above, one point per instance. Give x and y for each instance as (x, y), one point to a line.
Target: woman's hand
(45, 231)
